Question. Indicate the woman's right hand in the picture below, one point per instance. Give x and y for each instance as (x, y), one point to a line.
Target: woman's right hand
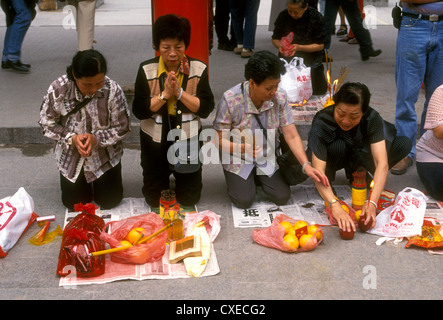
(342, 217)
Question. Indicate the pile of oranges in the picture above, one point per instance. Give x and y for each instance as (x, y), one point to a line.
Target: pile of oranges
(299, 234)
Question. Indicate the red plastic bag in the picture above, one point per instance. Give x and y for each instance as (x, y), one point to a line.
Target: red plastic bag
(81, 236)
(151, 251)
(272, 236)
(286, 44)
(16, 215)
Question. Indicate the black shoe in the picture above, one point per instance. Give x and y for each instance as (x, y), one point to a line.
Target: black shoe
(373, 53)
(226, 46)
(16, 65)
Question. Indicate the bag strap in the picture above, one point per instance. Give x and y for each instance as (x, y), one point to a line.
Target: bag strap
(79, 106)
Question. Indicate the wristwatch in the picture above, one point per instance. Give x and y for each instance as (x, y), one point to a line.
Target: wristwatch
(332, 202)
(160, 96)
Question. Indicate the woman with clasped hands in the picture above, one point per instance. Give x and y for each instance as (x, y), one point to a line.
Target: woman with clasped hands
(172, 92)
(241, 110)
(87, 115)
(350, 135)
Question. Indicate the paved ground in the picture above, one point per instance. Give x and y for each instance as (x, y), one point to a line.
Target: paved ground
(335, 270)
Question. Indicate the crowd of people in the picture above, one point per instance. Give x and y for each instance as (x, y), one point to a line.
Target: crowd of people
(87, 115)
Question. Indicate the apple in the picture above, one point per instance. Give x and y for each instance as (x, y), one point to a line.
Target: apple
(346, 235)
(361, 224)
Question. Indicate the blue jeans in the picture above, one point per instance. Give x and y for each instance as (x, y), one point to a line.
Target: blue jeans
(16, 31)
(244, 21)
(353, 14)
(419, 59)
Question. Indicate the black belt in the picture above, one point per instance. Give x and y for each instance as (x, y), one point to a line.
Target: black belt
(430, 17)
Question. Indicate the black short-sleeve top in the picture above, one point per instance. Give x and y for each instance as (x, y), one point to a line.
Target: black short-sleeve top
(325, 132)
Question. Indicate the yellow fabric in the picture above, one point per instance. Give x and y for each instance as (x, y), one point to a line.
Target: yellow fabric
(172, 101)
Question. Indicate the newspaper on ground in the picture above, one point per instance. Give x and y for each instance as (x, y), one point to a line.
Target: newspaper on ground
(161, 269)
(305, 204)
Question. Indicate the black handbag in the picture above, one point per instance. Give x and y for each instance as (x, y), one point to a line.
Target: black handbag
(289, 166)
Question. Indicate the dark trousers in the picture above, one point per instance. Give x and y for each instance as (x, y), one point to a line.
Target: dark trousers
(156, 173)
(242, 192)
(353, 14)
(106, 191)
(431, 175)
(341, 156)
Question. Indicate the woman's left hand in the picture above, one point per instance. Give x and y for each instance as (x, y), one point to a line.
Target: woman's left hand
(370, 212)
(316, 175)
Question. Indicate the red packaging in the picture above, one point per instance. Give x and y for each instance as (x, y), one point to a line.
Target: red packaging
(143, 253)
(273, 236)
(81, 236)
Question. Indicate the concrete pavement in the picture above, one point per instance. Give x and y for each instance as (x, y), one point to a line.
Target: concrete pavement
(335, 270)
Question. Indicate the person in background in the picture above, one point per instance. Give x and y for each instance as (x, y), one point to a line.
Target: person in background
(86, 114)
(307, 24)
(19, 15)
(242, 109)
(85, 23)
(430, 147)
(171, 92)
(244, 19)
(221, 23)
(351, 135)
(354, 17)
(418, 60)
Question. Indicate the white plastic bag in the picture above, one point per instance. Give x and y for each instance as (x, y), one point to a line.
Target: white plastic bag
(16, 213)
(211, 219)
(404, 218)
(296, 81)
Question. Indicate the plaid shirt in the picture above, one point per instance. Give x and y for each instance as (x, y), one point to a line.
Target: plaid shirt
(106, 116)
(236, 111)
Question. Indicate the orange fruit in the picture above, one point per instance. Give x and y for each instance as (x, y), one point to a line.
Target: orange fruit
(313, 229)
(300, 224)
(357, 215)
(300, 227)
(304, 239)
(286, 225)
(345, 208)
(292, 240)
(135, 234)
(126, 243)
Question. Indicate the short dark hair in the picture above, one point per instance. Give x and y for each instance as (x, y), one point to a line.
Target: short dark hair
(87, 63)
(353, 93)
(171, 26)
(303, 3)
(263, 65)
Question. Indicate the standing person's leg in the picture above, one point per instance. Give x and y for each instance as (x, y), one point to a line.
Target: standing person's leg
(434, 75)
(15, 35)
(85, 22)
(410, 69)
(237, 19)
(251, 11)
(353, 14)
(331, 9)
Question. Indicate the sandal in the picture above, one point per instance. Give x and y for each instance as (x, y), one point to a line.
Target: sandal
(345, 39)
(343, 30)
(353, 41)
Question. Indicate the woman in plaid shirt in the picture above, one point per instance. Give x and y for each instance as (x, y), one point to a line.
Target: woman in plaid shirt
(88, 142)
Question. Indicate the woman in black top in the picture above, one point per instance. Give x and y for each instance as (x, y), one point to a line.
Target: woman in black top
(350, 134)
(307, 24)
